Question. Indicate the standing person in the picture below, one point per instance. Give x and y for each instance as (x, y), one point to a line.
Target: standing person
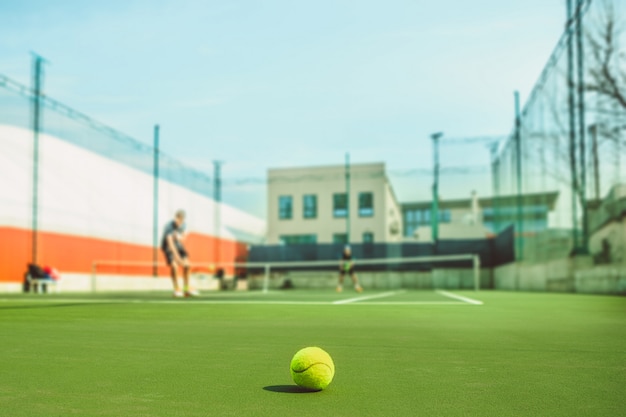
(346, 266)
(176, 254)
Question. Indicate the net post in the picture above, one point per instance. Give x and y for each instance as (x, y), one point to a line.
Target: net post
(93, 276)
(476, 262)
(266, 278)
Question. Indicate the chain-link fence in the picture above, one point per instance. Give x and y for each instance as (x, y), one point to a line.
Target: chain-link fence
(571, 137)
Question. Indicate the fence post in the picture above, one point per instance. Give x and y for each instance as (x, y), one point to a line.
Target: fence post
(93, 276)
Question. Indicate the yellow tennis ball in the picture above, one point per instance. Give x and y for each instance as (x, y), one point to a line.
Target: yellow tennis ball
(312, 368)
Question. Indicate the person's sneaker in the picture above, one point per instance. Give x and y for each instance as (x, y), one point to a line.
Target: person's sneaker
(178, 294)
(191, 293)
(358, 288)
(339, 289)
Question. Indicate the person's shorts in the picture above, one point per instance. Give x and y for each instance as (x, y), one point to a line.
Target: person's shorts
(349, 270)
(169, 255)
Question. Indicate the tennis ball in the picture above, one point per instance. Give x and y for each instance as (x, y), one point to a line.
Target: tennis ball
(312, 368)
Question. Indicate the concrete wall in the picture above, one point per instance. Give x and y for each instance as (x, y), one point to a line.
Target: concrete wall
(602, 279)
(554, 275)
(562, 275)
(104, 283)
(614, 233)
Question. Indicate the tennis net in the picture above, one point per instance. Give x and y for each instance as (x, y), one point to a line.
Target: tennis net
(424, 272)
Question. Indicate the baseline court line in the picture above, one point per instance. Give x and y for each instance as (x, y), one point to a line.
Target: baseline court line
(460, 297)
(367, 297)
(181, 301)
(200, 301)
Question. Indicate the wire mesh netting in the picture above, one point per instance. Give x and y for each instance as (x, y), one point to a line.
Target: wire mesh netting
(572, 133)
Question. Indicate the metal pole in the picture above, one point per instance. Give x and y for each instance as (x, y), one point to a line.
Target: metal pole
(155, 206)
(572, 124)
(593, 130)
(347, 198)
(217, 198)
(518, 176)
(37, 71)
(581, 126)
(434, 215)
(94, 271)
(476, 264)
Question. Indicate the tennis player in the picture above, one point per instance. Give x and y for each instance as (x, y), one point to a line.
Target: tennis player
(176, 254)
(346, 266)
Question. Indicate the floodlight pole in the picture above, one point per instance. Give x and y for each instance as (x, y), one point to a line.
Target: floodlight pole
(347, 198)
(37, 87)
(518, 174)
(571, 104)
(155, 205)
(434, 215)
(593, 131)
(584, 249)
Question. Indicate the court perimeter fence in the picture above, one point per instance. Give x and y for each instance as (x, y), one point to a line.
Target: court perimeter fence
(569, 137)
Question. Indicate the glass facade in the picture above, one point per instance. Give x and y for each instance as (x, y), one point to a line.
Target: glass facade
(368, 237)
(414, 218)
(534, 218)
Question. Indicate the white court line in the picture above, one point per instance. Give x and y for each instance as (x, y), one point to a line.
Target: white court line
(173, 301)
(367, 297)
(200, 301)
(412, 303)
(233, 302)
(460, 297)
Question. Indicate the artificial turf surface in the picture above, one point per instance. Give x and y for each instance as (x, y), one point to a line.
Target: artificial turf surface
(132, 355)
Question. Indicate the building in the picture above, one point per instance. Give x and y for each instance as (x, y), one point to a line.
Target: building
(312, 205)
(607, 227)
(478, 217)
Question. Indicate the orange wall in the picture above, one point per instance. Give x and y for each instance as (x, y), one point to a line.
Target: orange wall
(75, 254)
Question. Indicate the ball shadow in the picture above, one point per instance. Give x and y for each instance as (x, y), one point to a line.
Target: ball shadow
(288, 389)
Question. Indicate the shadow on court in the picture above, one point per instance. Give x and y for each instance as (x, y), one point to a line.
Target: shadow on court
(288, 389)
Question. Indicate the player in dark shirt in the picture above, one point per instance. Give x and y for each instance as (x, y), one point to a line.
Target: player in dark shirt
(346, 266)
(176, 254)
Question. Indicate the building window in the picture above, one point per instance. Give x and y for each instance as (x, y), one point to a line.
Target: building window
(340, 205)
(415, 218)
(285, 207)
(366, 204)
(298, 239)
(340, 238)
(368, 237)
(309, 204)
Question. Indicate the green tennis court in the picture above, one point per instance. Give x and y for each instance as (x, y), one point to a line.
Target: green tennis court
(400, 353)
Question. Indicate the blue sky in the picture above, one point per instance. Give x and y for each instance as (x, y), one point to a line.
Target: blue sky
(262, 84)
